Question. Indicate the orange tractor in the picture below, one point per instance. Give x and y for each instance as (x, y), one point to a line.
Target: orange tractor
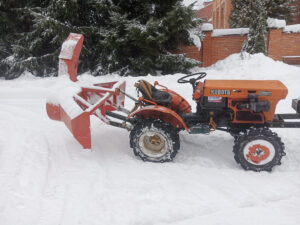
(244, 108)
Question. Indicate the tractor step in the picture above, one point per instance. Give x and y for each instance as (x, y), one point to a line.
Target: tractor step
(296, 105)
(200, 129)
(280, 121)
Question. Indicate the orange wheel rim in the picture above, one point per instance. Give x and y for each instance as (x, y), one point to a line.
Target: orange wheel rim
(258, 153)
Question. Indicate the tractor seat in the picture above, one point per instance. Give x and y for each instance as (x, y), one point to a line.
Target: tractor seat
(151, 93)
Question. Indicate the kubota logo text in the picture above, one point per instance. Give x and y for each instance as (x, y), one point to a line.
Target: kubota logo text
(220, 92)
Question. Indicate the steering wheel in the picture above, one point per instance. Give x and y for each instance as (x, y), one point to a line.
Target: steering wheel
(183, 80)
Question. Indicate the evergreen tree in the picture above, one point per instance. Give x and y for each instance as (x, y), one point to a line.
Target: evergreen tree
(133, 37)
(256, 42)
(38, 29)
(280, 9)
(240, 15)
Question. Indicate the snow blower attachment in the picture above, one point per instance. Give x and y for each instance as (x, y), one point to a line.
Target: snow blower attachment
(75, 105)
(243, 108)
(76, 109)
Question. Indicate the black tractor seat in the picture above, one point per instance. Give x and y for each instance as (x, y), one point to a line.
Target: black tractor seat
(151, 93)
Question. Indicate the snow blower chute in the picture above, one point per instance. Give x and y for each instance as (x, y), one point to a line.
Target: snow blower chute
(75, 104)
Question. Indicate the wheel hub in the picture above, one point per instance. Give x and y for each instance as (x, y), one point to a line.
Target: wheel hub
(155, 140)
(153, 144)
(258, 153)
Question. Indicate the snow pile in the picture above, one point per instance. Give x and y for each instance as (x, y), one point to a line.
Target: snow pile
(292, 28)
(246, 64)
(234, 31)
(46, 177)
(196, 40)
(63, 94)
(207, 27)
(276, 23)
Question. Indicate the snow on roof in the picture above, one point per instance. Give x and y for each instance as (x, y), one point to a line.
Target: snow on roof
(292, 28)
(275, 23)
(199, 4)
(291, 56)
(225, 32)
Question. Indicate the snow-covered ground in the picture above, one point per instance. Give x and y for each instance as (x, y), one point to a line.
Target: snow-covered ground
(46, 178)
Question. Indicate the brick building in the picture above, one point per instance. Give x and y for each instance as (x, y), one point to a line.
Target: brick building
(206, 12)
(221, 11)
(283, 43)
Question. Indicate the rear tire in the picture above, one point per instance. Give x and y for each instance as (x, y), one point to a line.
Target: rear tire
(258, 150)
(154, 141)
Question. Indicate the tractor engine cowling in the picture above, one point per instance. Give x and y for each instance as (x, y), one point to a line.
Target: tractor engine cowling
(251, 101)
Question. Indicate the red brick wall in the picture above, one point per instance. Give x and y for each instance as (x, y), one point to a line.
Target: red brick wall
(274, 42)
(290, 44)
(283, 45)
(226, 45)
(191, 52)
(279, 45)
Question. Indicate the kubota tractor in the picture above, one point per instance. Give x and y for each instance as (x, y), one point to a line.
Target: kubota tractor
(244, 108)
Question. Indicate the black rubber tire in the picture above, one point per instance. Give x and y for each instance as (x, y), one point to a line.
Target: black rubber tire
(164, 129)
(258, 134)
(235, 133)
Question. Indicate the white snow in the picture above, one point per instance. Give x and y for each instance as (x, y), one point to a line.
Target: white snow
(63, 93)
(62, 68)
(207, 27)
(46, 178)
(291, 56)
(10, 58)
(233, 31)
(276, 23)
(199, 4)
(67, 49)
(292, 28)
(196, 40)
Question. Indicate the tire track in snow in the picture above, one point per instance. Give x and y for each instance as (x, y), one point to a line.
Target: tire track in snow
(23, 167)
(71, 180)
(38, 175)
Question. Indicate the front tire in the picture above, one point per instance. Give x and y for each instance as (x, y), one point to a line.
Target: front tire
(154, 141)
(258, 150)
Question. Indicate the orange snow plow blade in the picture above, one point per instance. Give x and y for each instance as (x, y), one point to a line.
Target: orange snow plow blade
(79, 126)
(93, 100)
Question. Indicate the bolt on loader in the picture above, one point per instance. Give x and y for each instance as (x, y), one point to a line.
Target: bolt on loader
(243, 108)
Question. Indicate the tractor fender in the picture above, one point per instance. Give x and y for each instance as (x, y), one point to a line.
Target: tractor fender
(160, 112)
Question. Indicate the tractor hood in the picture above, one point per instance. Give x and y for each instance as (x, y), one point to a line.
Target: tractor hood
(242, 88)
